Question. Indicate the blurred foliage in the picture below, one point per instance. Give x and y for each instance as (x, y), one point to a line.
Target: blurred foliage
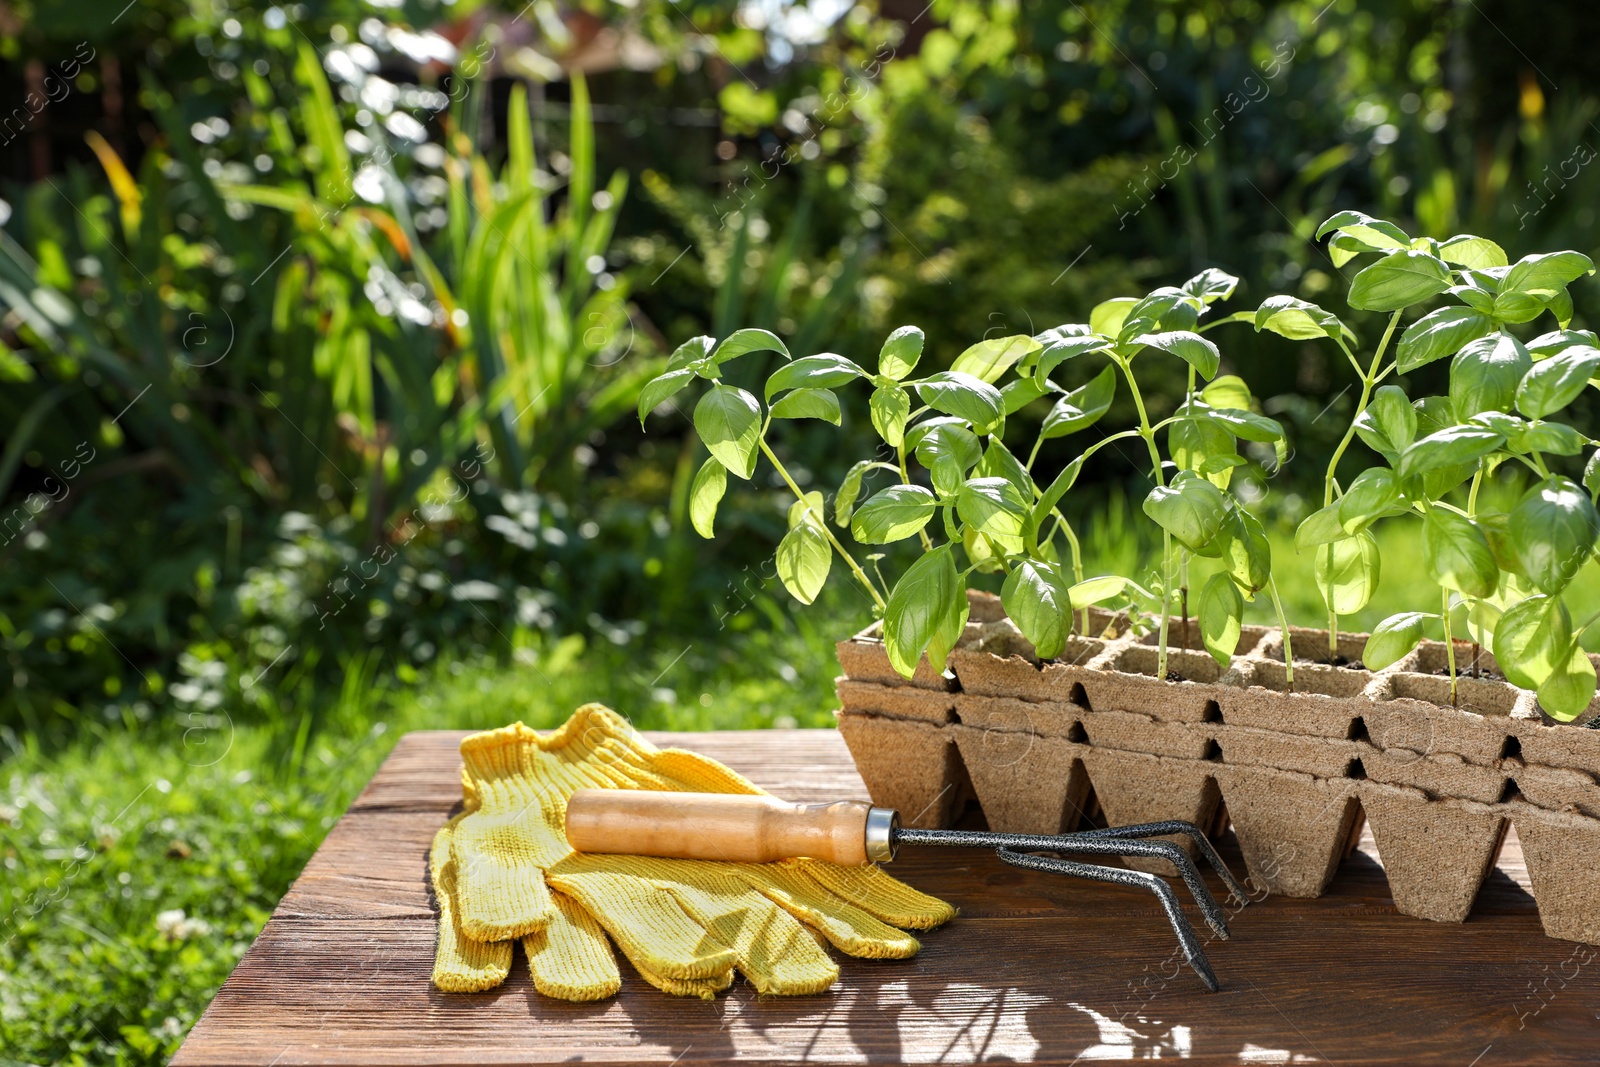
(432, 308)
(358, 331)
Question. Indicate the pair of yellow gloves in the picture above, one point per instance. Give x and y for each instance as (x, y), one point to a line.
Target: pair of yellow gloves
(502, 870)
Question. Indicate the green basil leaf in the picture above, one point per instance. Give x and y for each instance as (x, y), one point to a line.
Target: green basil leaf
(691, 351)
(890, 407)
(1059, 347)
(1394, 416)
(1319, 528)
(1246, 552)
(1193, 349)
(919, 607)
(1552, 531)
(893, 515)
(1389, 423)
(1496, 526)
(1450, 447)
(1035, 598)
(993, 506)
(728, 420)
(1165, 309)
(998, 462)
(1347, 572)
(1399, 280)
(743, 342)
(900, 353)
(1543, 273)
(1107, 317)
(948, 628)
(705, 493)
(1217, 464)
(1245, 424)
(1342, 248)
(822, 371)
(1560, 305)
(964, 396)
(844, 502)
(1019, 393)
(1052, 496)
(1457, 553)
(1192, 443)
(1591, 475)
(808, 404)
(1228, 391)
(1221, 615)
(1566, 693)
(1081, 407)
(1485, 374)
(1097, 590)
(1531, 640)
(986, 555)
(1476, 253)
(1438, 334)
(810, 508)
(1550, 438)
(1394, 637)
(804, 559)
(948, 449)
(1376, 234)
(1211, 285)
(1474, 298)
(1516, 306)
(1374, 493)
(1297, 320)
(989, 359)
(1506, 425)
(1434, 413)
(1191, 509)
(1557, 341)
(1553, 383)
(661, 388)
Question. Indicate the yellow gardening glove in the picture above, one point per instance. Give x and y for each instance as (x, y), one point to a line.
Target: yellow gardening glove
(685, 924)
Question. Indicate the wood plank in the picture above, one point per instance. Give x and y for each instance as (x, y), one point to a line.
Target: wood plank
(1036, 969)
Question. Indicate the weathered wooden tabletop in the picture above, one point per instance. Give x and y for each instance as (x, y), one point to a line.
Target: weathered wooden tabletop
(1037, 968)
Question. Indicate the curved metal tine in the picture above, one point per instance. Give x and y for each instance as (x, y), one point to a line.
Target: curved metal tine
(1139, 880)
(1093, 844)
(1190, 874)
(1108, 845)
(1187, 829)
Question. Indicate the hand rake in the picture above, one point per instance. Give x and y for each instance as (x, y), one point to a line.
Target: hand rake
(763, 829)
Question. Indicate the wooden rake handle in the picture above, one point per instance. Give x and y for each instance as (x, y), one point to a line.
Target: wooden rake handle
(730, 827)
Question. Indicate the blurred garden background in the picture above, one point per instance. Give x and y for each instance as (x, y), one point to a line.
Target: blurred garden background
(322, 327)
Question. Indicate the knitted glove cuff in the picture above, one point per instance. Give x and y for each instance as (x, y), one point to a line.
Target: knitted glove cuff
(595, 747)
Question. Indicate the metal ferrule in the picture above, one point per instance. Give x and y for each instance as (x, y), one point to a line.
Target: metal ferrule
(881, 826)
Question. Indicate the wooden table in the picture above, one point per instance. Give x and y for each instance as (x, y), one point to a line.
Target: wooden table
(1037, 968)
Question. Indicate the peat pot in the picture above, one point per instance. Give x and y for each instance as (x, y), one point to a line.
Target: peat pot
(1295, 769)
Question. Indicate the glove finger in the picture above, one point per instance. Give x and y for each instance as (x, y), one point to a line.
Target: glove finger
(704, 988)
(648, 924)
(773, 950)
(499, 882)
(879, 894)
(850, 928)
(460, 965)
(689, 772)
(570, 958)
